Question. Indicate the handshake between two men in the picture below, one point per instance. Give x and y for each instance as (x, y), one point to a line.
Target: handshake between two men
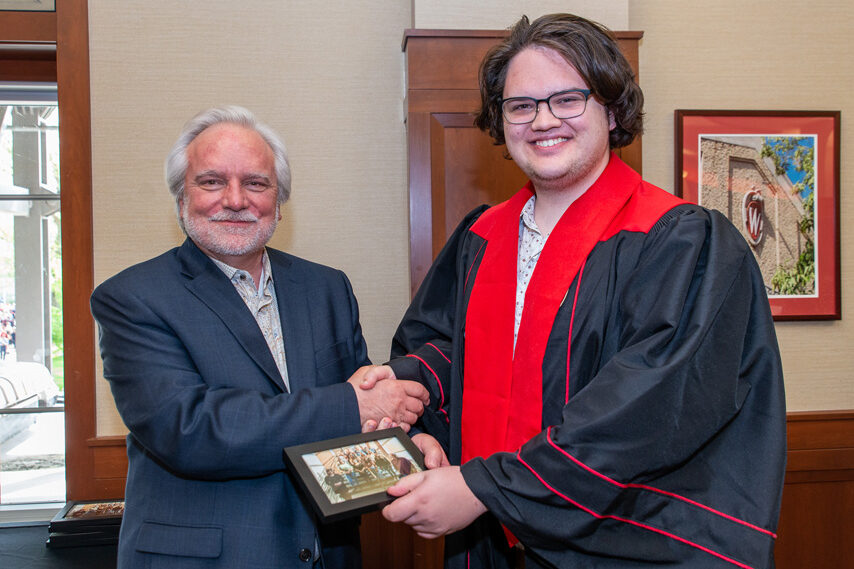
(384, 404)
(435, 502)
(398, 403)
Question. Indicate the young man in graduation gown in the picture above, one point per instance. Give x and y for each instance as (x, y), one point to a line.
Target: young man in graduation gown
(600, 354)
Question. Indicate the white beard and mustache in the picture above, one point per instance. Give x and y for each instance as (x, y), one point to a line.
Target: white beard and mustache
(230, 241)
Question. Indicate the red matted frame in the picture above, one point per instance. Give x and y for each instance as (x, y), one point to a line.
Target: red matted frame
(691, 125)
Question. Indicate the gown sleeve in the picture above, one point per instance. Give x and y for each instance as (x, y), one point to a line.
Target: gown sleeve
(676, 446)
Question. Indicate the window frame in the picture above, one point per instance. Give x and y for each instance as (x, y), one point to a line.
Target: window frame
(54, 46)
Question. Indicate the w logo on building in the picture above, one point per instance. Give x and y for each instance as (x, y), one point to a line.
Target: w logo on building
(752, 213)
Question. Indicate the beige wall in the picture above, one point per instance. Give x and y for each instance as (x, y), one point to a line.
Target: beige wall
(154, 63)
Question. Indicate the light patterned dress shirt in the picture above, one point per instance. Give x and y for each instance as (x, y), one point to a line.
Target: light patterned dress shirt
(261, 301)
(531, 243)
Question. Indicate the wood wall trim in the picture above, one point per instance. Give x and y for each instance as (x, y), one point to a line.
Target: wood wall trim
(428, 57)
(815, 520)
(31, 60)
(815, 433)
(820, 447)
(21, 26)
(23, 70)
(442, 100)
(107, 441)
(72, 54)
(816, 430)
(107, 465)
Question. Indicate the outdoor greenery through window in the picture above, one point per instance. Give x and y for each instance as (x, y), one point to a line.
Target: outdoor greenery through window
(32, 432)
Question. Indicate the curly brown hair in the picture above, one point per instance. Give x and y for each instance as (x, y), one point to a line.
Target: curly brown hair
(590, 48)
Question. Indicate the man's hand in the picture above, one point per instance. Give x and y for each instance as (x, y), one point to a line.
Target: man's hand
(370, 425)
(434, 454)
(368, 376)
(400, 401)
(434, 502)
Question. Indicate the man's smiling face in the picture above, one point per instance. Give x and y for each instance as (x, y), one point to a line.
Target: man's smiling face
(229, 207)
(555, 153)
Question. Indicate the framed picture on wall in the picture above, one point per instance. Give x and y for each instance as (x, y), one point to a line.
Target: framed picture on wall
(775, 175)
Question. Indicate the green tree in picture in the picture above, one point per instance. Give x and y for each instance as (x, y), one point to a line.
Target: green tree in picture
(794, 156)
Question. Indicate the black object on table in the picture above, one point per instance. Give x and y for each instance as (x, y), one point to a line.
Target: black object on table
(22, 546)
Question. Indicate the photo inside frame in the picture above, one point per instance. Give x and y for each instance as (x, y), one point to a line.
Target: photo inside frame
(765, 185)
(361, 469)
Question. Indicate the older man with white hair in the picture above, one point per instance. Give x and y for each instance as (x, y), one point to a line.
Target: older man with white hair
(221, 352)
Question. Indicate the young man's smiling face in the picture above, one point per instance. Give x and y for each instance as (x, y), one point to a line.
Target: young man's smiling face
(555, 153)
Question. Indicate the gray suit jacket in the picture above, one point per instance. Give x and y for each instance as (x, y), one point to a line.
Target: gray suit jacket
(208, 414)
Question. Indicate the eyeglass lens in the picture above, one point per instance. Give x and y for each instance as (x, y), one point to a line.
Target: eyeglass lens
(564, 105)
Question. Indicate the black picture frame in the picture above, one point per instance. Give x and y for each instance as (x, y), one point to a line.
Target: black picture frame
(82, 539)
(355, 485)
(87, 516)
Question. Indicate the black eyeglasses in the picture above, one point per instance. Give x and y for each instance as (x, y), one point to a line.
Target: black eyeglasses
(563, 105)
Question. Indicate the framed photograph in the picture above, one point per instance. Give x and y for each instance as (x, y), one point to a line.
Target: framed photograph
(349, 476)
(87, 516)
(775, 175)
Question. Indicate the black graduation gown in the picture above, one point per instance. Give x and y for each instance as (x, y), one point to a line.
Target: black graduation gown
(670, 450)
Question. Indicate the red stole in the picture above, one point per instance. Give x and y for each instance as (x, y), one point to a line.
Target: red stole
(502, 395)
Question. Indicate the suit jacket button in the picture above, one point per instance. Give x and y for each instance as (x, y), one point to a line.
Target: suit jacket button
(305, 554)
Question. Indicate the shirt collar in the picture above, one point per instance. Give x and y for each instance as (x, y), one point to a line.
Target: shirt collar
(527, 216)
(234, 274)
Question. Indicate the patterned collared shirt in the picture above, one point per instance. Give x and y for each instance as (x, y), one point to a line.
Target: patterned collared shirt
(261, 302)
(531, 243)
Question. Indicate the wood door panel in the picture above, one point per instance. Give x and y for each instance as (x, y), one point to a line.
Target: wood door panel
(468, 170)
(466, 54)
(816, 526)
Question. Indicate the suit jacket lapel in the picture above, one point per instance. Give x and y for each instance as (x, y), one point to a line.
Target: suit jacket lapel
(207, 282)
(291, 295)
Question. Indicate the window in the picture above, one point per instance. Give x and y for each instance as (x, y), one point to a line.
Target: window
(32, 426)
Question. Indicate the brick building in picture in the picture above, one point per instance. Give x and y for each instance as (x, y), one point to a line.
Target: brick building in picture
(737, 181)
